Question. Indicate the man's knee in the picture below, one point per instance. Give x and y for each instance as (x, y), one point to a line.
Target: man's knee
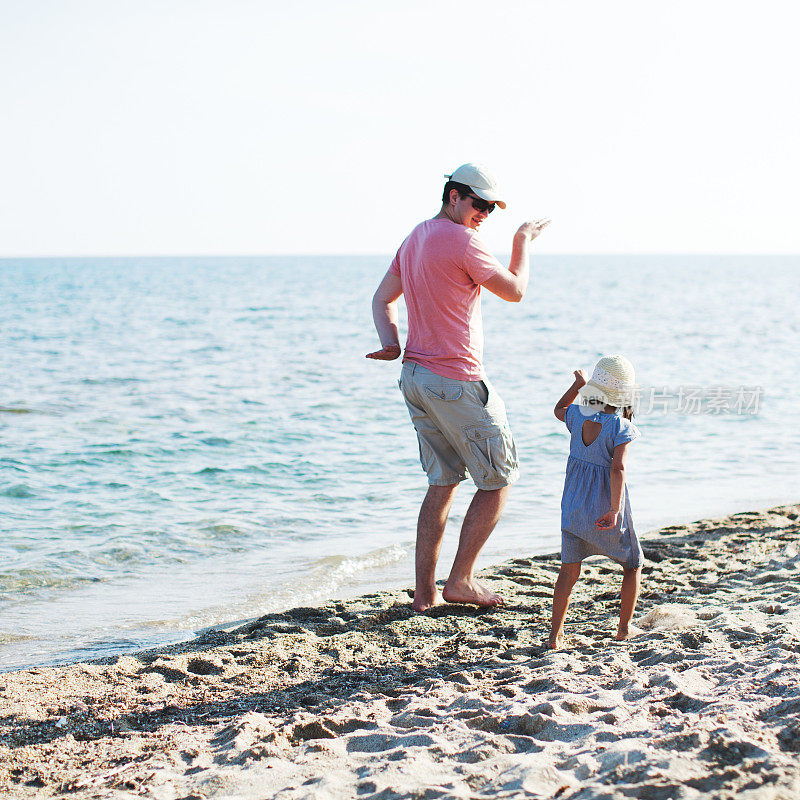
(501, 491)
(435, 490)
(491, 498)
(439, 497)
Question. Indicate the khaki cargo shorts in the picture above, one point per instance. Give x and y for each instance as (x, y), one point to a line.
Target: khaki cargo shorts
(461, 425)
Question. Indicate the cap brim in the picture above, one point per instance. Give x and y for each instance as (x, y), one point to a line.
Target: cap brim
(489, 197)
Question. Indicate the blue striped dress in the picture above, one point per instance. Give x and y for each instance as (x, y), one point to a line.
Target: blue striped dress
(587, 493)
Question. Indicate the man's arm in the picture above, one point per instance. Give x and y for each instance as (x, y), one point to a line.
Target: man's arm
(384, 315)
(511, 283)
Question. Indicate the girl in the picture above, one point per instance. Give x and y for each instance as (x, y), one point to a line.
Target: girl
(595, 511)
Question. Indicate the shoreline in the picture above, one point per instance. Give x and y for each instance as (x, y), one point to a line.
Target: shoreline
(364, 697)
(233, 616)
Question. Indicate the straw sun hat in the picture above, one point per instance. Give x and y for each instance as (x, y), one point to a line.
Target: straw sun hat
(613, 383)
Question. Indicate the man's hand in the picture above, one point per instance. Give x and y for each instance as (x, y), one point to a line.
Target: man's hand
(607, 521)
(580, 378)
(530, 230)
(389, 353)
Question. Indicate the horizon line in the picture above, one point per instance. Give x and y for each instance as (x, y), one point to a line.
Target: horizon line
(388, 254)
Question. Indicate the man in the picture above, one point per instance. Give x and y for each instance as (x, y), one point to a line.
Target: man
(460, 420)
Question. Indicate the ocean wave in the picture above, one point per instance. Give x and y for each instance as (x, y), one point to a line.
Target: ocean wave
(25, 581)
(348, 566)
(111, 380)
(19, 491)
(8, 637)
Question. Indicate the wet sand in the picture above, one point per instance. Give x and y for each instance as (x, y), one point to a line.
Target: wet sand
(366, 699)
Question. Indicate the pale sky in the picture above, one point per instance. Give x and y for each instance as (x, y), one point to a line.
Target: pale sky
(139, 127)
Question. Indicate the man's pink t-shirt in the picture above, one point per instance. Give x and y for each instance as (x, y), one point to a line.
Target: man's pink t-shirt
(441, 266)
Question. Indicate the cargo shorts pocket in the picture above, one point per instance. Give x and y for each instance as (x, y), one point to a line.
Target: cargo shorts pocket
(445, 391)
(493, 453)
(426, 456)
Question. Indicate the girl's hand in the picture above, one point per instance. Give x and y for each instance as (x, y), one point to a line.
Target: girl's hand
(389, 353)
(607, 521)
(580, 378)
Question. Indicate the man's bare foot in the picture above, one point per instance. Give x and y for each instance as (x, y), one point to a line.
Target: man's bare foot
(424, 603)
(470, 592)
(555, 642)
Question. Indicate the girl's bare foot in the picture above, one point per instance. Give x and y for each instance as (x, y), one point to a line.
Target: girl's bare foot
(470, 592)
(627, 632)
(555, 642)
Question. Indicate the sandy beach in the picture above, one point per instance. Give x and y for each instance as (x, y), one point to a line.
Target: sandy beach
(366, 699)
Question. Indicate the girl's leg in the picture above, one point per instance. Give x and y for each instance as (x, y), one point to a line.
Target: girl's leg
(629, 595)
(567, 576)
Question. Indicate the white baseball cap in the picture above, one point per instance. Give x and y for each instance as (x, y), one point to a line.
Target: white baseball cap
(480, 180)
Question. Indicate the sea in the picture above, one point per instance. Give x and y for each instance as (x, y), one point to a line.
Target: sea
(186, 443)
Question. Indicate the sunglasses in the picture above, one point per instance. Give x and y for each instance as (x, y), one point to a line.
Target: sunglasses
(479, 204)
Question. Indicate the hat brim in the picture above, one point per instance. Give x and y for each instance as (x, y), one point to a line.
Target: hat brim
(594, 392)
(488, 196)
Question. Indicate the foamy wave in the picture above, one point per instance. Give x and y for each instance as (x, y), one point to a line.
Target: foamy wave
(347, 566)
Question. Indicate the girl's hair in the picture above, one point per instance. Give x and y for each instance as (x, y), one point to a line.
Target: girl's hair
(627, 412)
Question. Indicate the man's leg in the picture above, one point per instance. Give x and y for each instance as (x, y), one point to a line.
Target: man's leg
(481, 517)
(430, 530)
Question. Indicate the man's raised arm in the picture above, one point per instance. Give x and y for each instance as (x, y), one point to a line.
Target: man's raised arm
(384, 315)
(511, 284)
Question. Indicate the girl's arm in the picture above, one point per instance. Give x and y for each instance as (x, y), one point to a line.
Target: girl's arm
(609, 519)
(569, 396)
